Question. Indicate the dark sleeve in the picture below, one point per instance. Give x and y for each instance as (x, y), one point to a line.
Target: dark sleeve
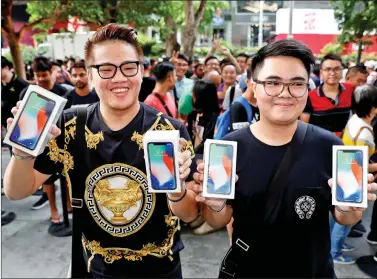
(184, 134)
(309, 107)
(238, 113)
(68, 96)
(23, 92)
(49, 162)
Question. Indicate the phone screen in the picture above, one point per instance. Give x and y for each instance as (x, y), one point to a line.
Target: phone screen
(349, 176)
(162, 166)
(32, 121)
(220, 169)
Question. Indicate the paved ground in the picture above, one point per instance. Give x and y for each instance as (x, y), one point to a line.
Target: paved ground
(29, 251)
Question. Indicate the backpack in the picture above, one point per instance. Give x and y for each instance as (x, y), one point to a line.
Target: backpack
(223, 126)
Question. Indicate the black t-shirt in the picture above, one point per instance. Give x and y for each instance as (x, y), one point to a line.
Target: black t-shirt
(143, 231)
(10, 95)
(74, 99)
(146, 88)
(299, 247)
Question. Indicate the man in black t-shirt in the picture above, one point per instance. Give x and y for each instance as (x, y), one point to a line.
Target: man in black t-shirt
(148, 83)
(81, 95)
(298, 219)
(120, 229)
(42, 69)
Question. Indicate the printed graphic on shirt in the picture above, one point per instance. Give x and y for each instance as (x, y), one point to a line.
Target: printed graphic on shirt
(305, 207)
(117, 198)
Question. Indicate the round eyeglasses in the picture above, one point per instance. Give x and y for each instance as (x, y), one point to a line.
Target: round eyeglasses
(108, 70)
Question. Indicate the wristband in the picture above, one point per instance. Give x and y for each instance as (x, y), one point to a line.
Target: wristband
(181, 198)
(342, 211)
(222, 207)
(22, 157)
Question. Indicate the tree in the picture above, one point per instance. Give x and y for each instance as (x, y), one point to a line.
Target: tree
(52, 11)
(357, 20)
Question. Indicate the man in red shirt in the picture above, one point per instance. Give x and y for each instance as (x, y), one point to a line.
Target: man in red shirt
(161, 99)
(329, 106)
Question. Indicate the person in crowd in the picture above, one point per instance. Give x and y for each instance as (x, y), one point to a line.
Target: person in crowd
(211, 63)
(61, 78)
(330, 105)
(104, 164)
(11, 87)
(161, 99)
(198, 72)
(149, 81)
(81, 94)
(356, 76)
(228, 76)
(293, 215)
(183, 84)
(316, 75)
(359, 132)
(43, 75)
(242, 62)
(371, 69)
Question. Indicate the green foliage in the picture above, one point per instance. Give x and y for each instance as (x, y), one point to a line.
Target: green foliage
(158, 50)
(355, 18)
(334, 48)
(209, 11)
(201, 51)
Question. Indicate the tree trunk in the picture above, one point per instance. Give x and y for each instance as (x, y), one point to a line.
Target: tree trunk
(192, 24)
(359, 51)
(15, 50)
(171, 37)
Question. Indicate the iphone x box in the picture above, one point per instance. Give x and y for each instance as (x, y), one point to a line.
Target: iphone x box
(39, 110)
(161, 150)
(350, 176)
(219, 169)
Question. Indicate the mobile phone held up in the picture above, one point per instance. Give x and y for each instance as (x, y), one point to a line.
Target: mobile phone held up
(160, 152)
(219, 169)
(39, 110)
(350, 176)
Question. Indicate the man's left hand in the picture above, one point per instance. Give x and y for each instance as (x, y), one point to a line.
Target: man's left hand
(372, 188)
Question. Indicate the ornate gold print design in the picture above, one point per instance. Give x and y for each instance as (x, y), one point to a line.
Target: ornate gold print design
(92, 140)
(136, 137)
(112, 254)
(188, 146)
(118, 200)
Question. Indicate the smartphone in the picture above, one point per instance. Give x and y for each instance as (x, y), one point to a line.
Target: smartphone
(349, 173)
(33, 120)
(162, 165)
(220, 169)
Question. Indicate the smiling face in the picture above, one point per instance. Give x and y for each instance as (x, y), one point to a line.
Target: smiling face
(229, 74)
(282, 109)
(119, 92)
(331, 71)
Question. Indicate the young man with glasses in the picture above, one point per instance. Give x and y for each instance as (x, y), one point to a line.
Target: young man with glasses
(123, 230)
(329, 106)
(292, 212)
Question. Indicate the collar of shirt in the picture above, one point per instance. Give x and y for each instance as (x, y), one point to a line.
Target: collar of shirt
(320, 93)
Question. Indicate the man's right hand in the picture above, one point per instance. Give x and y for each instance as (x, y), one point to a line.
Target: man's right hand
(54, 130)
(213, 203)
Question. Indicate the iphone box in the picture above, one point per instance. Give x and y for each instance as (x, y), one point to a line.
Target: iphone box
(350, 176)
(161, 150)
(219, 169)
(39, 110)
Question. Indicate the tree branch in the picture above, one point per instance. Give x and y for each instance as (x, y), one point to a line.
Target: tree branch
(199, 13)
(53, 18)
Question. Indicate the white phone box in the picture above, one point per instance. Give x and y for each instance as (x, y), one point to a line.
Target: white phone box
(34, 126)
(161, 150)
(350, 176)
(219, 169)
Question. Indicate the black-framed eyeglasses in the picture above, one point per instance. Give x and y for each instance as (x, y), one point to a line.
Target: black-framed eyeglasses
(108, 70)
(275, 88)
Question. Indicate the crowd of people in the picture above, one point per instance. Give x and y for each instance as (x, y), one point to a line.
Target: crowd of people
(126, 94)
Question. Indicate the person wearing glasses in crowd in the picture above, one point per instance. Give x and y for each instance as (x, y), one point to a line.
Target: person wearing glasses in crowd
(293, 214)
(330, 105)
(124, 230)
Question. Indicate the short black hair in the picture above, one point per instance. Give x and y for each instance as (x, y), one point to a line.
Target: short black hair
(71, 59)
(287, 47)
(79, 65)
(162, 70)
(54, 63)
(248, 73)
(41, 64)
(356, 69)
(316, 70)
(210, 58)
(223, 62)
(206, 99)
(243, 55)
(365, 98)
(197, 65)
(6, 63)
(331, 56)
(181, 56)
